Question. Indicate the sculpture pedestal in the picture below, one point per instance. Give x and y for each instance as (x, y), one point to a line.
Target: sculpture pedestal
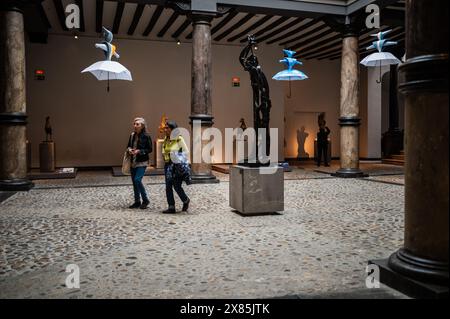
(159, 159)
(253, 193)
(47, 157)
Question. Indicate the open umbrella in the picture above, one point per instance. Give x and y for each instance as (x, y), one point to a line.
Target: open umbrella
(380, 58)
(108, 70)
(290, 74)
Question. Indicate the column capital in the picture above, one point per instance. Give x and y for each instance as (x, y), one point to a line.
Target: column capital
(428, 73)
(348, 26)
(16, 5)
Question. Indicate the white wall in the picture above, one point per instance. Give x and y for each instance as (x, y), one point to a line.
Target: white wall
(375, 111)
(319, 93)
(91, 126)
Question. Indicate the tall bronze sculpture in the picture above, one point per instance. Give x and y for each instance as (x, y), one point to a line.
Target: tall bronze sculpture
(261, 94)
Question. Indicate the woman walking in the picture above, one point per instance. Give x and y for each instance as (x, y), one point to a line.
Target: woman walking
(139, 147)
(172, 147)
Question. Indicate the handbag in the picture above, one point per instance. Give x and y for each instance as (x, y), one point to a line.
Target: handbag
(126, 163)
(182, 168)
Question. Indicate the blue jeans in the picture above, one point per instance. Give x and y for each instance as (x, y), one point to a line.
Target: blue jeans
(171, 184)
(137, 174)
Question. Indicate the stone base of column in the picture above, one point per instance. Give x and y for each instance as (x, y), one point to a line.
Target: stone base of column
(415, 277)
(204, 179)
(17, 185)
(349, 173)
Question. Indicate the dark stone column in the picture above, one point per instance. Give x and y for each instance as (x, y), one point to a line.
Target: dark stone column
(13, 149)
(421, 267)
(201, 103)
(349, 109)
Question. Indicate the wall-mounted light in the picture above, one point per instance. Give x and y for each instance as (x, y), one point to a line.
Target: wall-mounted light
(178, 42)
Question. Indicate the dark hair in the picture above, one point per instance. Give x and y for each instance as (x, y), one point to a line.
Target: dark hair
(172, 125)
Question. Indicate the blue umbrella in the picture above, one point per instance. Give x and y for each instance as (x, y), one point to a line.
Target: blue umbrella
(290, 74)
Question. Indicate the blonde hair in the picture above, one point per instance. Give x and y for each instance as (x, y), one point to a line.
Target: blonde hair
(141, 121)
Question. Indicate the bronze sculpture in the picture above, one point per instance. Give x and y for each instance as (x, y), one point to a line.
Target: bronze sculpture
(48, 129)
(261, 94)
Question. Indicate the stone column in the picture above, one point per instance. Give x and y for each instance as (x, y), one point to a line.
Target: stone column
(201, 103)
(423, 80)
(349, 109)
(13, 149)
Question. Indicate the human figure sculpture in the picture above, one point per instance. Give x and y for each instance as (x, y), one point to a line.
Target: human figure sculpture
(261, 94)
(48, 130)
(302, 135)
(162, 126)
(243, 126)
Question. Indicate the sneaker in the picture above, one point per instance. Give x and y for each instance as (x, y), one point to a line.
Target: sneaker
(170, 210)
(186, 205)
(144, 205)
(135, 205)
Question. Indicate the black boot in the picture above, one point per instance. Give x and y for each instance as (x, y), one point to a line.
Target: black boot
(135, 205)
(170, 210)
(144, 204)
(186, 205)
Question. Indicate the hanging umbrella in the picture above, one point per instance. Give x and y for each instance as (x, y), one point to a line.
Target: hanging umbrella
(290, 74)
(107, 69)
(380, 58)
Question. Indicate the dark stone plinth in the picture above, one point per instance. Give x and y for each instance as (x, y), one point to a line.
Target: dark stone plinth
(349, 173)
(17, 185)
(408, 286)
(204, 179)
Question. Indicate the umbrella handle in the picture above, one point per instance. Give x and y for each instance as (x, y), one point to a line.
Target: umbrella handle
(290, 91)
(107, 89)
(380, 80)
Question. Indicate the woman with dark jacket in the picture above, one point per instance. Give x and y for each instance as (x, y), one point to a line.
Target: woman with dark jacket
(139, 147)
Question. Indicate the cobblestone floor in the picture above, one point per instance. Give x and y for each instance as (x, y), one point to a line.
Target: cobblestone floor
(318, 246)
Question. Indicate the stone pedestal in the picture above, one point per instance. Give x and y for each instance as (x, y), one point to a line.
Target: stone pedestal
(13, 118)
(159, 158)
(47, 157)
(253, 193)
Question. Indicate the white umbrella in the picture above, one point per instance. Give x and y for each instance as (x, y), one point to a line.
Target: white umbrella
(109, 70)
(380, 59)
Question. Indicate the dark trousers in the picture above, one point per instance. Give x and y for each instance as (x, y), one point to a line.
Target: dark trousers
(137, 174)
(172, 182)
(322, 150)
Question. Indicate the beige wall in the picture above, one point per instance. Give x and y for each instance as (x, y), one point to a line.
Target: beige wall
(319, 93)
(91, 126)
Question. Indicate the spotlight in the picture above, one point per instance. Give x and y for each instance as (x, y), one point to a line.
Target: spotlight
(178, 42)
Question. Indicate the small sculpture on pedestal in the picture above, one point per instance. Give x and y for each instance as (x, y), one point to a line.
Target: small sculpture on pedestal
(242, 125)
(48, 130)
(47, 149)
(159, 160)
